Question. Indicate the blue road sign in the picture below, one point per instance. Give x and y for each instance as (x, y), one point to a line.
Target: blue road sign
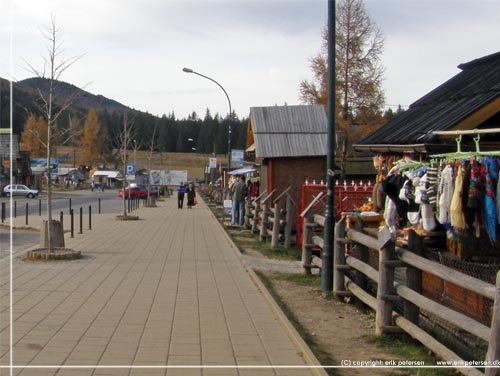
(130, 169)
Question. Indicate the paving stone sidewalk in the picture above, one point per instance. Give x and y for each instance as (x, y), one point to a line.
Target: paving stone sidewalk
(150, 297)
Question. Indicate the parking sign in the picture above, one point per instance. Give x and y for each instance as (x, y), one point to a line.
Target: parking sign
(130, 171)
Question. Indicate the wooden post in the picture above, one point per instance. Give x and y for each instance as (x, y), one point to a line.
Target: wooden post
(256, 214)
(361, 253)
(339, 259)
(265, 217)
(385, 290)
(413, 277)
(264, 221)
(288, 222)
(276, 224)
(493, 353)
(248, 213)
(306, 243)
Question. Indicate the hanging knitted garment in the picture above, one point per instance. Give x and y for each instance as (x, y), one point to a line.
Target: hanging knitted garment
(432, 173)
(473, 210)
(445, 193)
(498, 202)
(489, 218)
(457, 218)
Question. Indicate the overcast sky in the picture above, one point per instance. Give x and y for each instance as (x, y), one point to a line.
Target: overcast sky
(258, 50)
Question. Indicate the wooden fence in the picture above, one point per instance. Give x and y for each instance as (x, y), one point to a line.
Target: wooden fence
(407, 292)
(271, 217)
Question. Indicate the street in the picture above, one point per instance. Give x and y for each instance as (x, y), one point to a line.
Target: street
(23, 239)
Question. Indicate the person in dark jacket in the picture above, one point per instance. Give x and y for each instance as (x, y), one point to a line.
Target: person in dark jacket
(191, 194)
(181, 189)
(239, 192)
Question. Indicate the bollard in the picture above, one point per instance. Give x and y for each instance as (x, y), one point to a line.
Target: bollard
(71, 213)
(26, 214)
(99, 201)
(61, 218)
(3, 212)
(81, 220)
(90, 217)
(15, 209)
(39, 207)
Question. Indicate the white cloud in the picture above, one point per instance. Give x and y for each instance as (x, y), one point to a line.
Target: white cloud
(258, 50)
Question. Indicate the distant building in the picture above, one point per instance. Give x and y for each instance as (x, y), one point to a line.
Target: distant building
(9, 148)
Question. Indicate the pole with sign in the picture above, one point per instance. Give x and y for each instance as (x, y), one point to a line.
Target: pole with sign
(130, 172)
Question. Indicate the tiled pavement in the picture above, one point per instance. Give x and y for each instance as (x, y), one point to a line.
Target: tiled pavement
(150, 297)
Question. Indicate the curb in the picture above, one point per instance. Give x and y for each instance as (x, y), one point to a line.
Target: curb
(309, 357)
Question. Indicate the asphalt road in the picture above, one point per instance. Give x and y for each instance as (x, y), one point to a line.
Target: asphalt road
(61, 202)
(64, 201)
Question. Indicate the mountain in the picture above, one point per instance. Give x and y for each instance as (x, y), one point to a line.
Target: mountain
(84, 100)
(26, 94)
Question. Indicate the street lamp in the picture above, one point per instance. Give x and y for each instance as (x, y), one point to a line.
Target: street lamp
(189, 70)
(191, 140)
(135, 153)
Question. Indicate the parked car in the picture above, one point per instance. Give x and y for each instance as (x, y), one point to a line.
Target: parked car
(137, 191)
(19, 190)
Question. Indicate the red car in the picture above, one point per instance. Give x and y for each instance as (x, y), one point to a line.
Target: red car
(136, 192)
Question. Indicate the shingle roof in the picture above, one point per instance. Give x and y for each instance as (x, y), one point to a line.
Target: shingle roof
(289, 131)
(477, 85)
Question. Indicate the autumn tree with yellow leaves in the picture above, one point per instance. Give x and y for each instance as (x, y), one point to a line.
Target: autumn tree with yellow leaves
(359, 97)
(90, 142)
(34, 137)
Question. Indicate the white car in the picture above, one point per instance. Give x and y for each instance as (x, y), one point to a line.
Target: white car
(19, 190)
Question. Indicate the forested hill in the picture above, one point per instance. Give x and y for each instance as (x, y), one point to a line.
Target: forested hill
(83, 99)
(172, 135)
(27, 100)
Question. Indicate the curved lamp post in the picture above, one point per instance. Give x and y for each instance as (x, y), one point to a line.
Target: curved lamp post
(189, 70)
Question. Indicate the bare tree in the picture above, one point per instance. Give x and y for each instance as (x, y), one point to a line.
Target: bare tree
(54, 65)
(125, 138)
(152, 146)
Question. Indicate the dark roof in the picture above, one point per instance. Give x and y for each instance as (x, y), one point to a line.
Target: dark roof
(289, 131)
(477, 85)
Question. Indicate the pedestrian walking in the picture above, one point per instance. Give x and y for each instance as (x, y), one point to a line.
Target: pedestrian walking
(239, 192)
(191, 194)
(181, 190)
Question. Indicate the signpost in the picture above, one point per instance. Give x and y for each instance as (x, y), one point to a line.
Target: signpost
(237, 156)
(130, 172)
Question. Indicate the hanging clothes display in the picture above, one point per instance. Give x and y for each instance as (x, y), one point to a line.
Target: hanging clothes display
(455, 192)
(462, 196)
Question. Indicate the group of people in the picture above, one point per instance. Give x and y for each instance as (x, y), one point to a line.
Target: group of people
(188, 190)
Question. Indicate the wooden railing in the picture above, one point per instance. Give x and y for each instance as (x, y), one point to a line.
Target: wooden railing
(407, 292)
(271, 221)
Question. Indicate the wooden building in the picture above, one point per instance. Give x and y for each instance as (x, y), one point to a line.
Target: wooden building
(290, 144)
(461, 114)
(469, 100)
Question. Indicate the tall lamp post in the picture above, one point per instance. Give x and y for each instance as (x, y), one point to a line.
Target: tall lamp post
(189, 70)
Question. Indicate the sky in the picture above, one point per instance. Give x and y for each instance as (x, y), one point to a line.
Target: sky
(133, 51)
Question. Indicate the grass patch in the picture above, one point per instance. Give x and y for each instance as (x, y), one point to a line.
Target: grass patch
(299, 279)
(322, 357)
(253, 242)
(408, 349)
